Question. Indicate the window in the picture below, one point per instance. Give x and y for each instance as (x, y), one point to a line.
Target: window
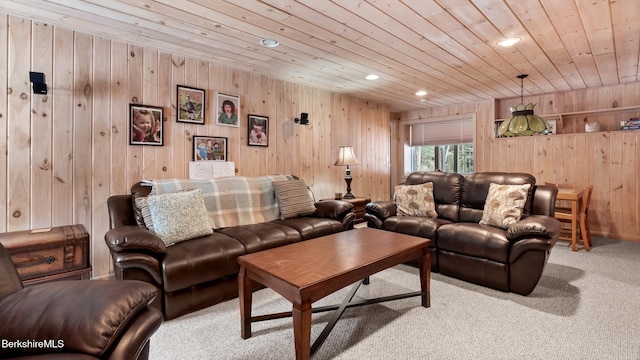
(456, 158)
(442, 145)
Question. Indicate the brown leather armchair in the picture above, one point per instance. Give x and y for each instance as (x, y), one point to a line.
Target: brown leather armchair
(74, 319)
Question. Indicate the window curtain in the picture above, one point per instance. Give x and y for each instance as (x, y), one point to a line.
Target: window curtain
(459, 131)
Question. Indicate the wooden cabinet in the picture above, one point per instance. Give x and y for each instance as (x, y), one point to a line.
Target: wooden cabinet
(43, 255)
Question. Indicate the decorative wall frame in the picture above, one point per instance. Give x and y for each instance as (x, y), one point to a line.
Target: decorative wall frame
(227, 109)
(145, 125)
(191, 105)
(258, 130)
(209, 148)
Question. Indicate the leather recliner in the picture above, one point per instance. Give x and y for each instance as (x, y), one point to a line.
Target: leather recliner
(509, 259)
(74, 319)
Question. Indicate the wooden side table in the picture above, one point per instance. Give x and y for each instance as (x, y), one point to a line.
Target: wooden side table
(359, 207)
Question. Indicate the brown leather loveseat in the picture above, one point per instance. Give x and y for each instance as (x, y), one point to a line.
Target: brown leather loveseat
(74, 319)
(508, 259)
(200, 272)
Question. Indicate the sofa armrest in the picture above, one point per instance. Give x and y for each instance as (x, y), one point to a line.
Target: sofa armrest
(133, 237)
(378, 211)
(335, 209)
(49, 312)
(534, 226)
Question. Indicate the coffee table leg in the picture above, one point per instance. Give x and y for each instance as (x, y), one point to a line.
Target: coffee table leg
(425, 279)
(245, 294)
(302, 330)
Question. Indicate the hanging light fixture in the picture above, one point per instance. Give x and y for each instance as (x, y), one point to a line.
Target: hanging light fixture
(523, 121)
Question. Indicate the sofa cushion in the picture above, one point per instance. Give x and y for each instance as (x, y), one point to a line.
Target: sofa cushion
(139, 190)
(191, 263)
(476, 187)
(417, 226)
(415, 200)
(312, 227)
(293, 198)
(504, 204)
(263, 236)
(142, 207)
(179, 216)
(475, 240)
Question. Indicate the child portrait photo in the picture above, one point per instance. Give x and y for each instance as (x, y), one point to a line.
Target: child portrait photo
(191, 105)
(258, 127)
(209, 148)
(145, 125)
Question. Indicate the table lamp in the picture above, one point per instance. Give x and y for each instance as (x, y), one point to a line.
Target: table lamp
(346, 157)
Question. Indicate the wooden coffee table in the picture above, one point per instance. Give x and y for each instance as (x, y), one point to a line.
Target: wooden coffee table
(307, 271)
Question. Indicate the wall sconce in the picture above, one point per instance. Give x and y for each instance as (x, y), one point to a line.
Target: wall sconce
(303, 120)
(346, 157)
(39, 84)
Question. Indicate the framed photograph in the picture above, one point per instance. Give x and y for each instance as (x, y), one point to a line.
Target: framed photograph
(191, 105)
(209, 148)
(228, 110)
(145, 125)
(258, 130)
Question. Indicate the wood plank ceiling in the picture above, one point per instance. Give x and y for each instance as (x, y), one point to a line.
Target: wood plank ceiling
(446, 47)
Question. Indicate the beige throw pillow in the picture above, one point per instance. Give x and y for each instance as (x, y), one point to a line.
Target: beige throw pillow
(504, 204)
(179, 216)
(293, 198)
(415, 200)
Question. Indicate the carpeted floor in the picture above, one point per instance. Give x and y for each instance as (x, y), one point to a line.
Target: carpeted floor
(586, 306)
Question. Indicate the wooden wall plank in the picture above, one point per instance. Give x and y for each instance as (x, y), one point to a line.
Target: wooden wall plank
(101, 151)
(4, 154)
(19, 129)
(42, 128)
(63, 151)
(82, 129)
(119, 121)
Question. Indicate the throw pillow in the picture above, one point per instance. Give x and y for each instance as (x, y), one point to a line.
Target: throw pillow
(179, 216)
(415, 200)
(145, 214)
(504, 204)
(293, 198)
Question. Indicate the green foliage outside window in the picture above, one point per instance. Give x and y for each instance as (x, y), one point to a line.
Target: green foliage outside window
(457, 158)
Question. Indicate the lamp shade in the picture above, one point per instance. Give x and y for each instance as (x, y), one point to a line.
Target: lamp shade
(346, 156)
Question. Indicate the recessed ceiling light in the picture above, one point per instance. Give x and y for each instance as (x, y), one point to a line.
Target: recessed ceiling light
(508, 41)
(421, 93)
(372, 77)
(269, 43)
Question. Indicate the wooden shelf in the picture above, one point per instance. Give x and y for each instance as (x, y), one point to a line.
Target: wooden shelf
(562, 116)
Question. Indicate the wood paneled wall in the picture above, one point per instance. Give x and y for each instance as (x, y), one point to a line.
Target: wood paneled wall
(610, 160)
(66, 152)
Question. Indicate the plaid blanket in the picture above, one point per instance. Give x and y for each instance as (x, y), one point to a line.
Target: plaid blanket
(233, 200)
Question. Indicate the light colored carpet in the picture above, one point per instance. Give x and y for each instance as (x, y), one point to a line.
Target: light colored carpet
(586, 306)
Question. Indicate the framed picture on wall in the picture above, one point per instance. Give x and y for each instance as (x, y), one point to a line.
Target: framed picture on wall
(228, 110)
(145, 125)
(191, 105)
(209, 148)
(258, 130)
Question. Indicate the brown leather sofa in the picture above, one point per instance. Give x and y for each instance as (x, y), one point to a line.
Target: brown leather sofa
(509, 259)
(74, 319)
(201, 272)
